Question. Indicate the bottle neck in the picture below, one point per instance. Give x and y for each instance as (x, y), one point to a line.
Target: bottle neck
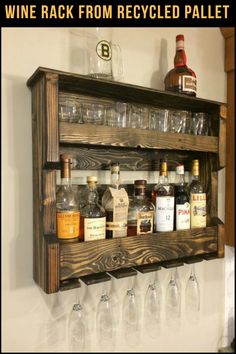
(180, 56)
(163, 179)
(181, 179)
(140, 193)
(115, 179)
(66, 181)
(195, 177)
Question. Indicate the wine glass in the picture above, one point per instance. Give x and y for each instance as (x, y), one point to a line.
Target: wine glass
(173, 302)
(76, 328)
(130, 317)
(104, 322)
(152, 307)
(192, 297)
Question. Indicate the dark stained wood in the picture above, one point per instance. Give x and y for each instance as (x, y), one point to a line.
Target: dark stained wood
(213, 196)
(172, 264)
(51, 122)
(85, 258)
(80, 84)
(222, 143)
(49, 202)
(210, 256)
(147, 268)
(191, 260)
(221, 240)
(123, 273)
(52, 270)
(69, 284)
(95, 278)
(137, 138)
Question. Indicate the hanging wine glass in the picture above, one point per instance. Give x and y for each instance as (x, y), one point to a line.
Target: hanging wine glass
(130, 317)
(104, 322)
(76, 328)
(173, 302)
(192, 297)
(152, 307)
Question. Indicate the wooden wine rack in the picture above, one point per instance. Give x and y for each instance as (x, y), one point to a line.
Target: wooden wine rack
(58, 266)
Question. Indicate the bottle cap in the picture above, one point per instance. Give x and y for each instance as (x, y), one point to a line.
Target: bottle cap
(180, 169)
(92, 179)
(140, 183)
(179, 37)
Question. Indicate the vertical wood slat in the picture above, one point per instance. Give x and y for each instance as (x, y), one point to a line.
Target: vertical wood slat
(52, 264)
(222, 136)
(221, 240)
(49, 202)
(214, 195)
(51, 121)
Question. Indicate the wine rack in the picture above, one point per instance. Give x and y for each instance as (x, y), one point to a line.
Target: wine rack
(59, 266)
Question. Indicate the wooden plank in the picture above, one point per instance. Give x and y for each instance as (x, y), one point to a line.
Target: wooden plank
(85, 258)
(49, 202)
(221, 240)
(51, 123)
(229, 54)
(123, 273)
(222, 143)
(147, 268)
(173, 264)
(213, 212)
(95, 278)
(69, 284)
(137, 138)
(100, 158)
(52, 264)
(191, 260)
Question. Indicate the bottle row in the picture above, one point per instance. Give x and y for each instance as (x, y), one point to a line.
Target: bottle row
(171, 207)
(127, 115)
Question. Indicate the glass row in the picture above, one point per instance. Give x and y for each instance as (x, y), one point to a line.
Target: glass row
(126, 115)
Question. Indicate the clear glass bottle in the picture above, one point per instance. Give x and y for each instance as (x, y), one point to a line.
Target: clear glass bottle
(182, 205)
(197, 198)
(164, 214)
(67, 209)
(181, 78)
(93, 218)
(141, 211)
(115, 201)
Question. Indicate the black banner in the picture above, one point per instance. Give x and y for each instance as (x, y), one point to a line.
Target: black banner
(129, 13)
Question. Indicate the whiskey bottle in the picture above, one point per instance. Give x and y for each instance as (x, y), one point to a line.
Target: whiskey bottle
(115, 201)
(141, 211)
(67, 209)
(197, 198)
(182, 205)
(164, 215)
(93, 219)
(181, 78)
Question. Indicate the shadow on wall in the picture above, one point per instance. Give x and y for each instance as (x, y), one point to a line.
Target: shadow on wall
(158, 76)
(19, 158)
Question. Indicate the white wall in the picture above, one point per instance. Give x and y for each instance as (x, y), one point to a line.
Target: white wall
(32, 320)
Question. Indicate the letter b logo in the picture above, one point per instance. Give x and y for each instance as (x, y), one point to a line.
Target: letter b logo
(103, 50)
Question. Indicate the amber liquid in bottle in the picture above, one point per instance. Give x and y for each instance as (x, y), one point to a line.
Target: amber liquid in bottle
(181, 78)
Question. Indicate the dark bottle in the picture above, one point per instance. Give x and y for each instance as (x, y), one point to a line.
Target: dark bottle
(141, 211)
(182, 205)
(181, 78)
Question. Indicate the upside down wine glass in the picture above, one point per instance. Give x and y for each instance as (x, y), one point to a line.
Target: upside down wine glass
(76, 328)
(192, 297)
(173, 302)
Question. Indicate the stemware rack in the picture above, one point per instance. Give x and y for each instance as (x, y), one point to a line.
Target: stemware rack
(59, 266)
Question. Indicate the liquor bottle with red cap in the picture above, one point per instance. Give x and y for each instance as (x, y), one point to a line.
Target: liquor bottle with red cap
(181, 78)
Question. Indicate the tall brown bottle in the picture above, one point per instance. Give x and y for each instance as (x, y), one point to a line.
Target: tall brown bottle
(181, 78)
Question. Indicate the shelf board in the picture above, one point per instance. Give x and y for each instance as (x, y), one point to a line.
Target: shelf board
(84, 258)
(102, 135)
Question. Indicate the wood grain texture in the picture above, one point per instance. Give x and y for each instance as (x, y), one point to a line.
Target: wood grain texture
(51, 120)
(49, 202)
(221, 240)
(137, 138)
(52, 264)
(85, 258)
(222, 143)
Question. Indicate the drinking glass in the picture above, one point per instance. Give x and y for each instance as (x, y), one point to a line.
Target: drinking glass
(138, 117)
(76, 328)
(104, 322)
(192, 297)
(152, 307)
(200, 123)
(186, 122)
(159, 119)
(173, 302)
(175, 121)
(130, 317)
(93, 113)
(70, 112)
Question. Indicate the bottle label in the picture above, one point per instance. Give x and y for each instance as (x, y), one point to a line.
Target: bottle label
(198, 210)
(94, 229)
(189, 83)
(179, 45)
(180, 170)
(182, 216)
(145, 222)
(164, 213)
(120, 206)
(68, 224)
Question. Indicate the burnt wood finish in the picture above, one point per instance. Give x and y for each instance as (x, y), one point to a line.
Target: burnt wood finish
(135, 138)
(79, 259)
(58, 266)
(123, 273)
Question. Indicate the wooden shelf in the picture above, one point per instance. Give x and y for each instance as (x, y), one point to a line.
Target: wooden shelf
(58, 266)
(73, 133)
